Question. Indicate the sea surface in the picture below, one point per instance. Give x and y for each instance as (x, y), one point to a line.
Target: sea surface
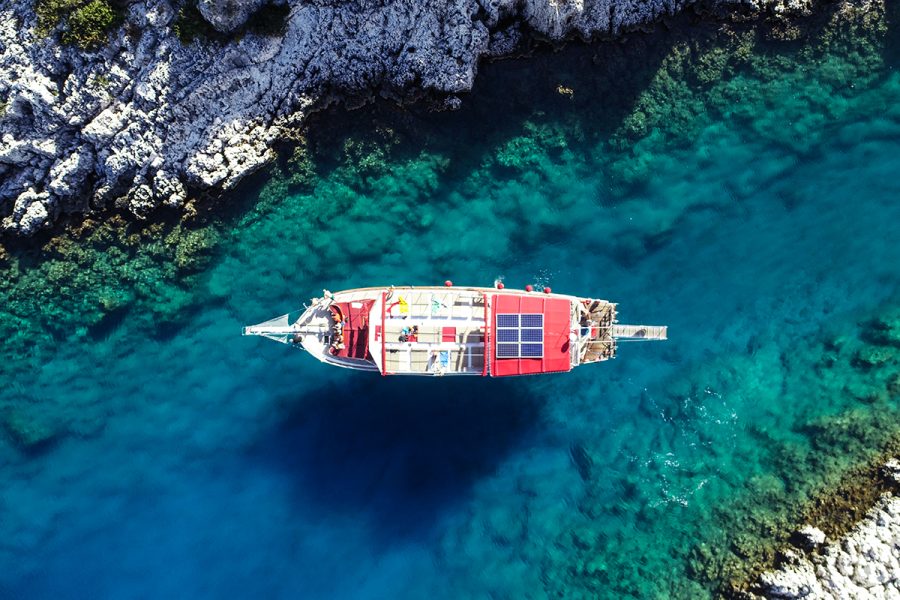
(740, 186)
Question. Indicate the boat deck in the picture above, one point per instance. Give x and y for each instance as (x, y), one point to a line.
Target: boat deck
(433, 331)
(597, 341)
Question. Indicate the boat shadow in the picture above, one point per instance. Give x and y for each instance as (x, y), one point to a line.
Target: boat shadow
(396, 451)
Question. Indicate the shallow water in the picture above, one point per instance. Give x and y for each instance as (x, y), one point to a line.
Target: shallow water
(755, 208)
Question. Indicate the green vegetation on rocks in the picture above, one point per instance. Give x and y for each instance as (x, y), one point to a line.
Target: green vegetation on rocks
(85, 24)
(88, 25)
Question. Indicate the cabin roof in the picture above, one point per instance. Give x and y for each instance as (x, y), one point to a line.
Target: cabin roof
(556, 323)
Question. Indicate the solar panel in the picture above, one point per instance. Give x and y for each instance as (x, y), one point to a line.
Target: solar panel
(507, 350)
(532, 335)
(535, 320)
(532, 350)
(507, 335)
(520, 335)
(507, 320)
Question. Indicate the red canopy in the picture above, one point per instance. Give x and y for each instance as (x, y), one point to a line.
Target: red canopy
(356, 328)
(557, 324)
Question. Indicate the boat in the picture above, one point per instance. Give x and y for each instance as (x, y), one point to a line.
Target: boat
(450, 330)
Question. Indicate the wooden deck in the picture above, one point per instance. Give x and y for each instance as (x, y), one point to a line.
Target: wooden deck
(449, 331)
(597, 317)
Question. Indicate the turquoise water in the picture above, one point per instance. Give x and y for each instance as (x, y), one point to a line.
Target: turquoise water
(744, 193)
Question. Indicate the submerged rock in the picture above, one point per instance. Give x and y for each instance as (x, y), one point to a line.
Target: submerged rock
(869, 356)
(29, 433)
(884, 330)
(142, 119)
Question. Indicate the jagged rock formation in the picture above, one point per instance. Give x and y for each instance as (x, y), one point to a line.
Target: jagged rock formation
(227, 15)
(864, 564)
(142, 119)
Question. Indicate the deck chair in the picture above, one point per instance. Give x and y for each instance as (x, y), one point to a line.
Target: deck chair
(436, 305)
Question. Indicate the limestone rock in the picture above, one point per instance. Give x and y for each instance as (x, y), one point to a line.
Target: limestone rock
(169, 188)
(794, 582)
(31, 211)
(67, 175)
(862, 565)
(140, 200)
(228, 15)
(811, 537)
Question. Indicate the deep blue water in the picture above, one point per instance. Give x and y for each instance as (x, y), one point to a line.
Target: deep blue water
(202, 464)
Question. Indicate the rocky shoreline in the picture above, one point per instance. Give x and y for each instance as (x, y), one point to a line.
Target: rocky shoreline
(146, 120)
(863, 563)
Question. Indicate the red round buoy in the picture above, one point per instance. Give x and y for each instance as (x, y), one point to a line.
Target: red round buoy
(547, 290)
(529, 288)
(448, 283)
(500, 285)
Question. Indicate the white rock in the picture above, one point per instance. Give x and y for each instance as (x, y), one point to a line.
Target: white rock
(31, 211)
(141, 200)
(792, 582)
(67, 175)
(169, 188)
(812, 536)
(892, 469)
(864, 564)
